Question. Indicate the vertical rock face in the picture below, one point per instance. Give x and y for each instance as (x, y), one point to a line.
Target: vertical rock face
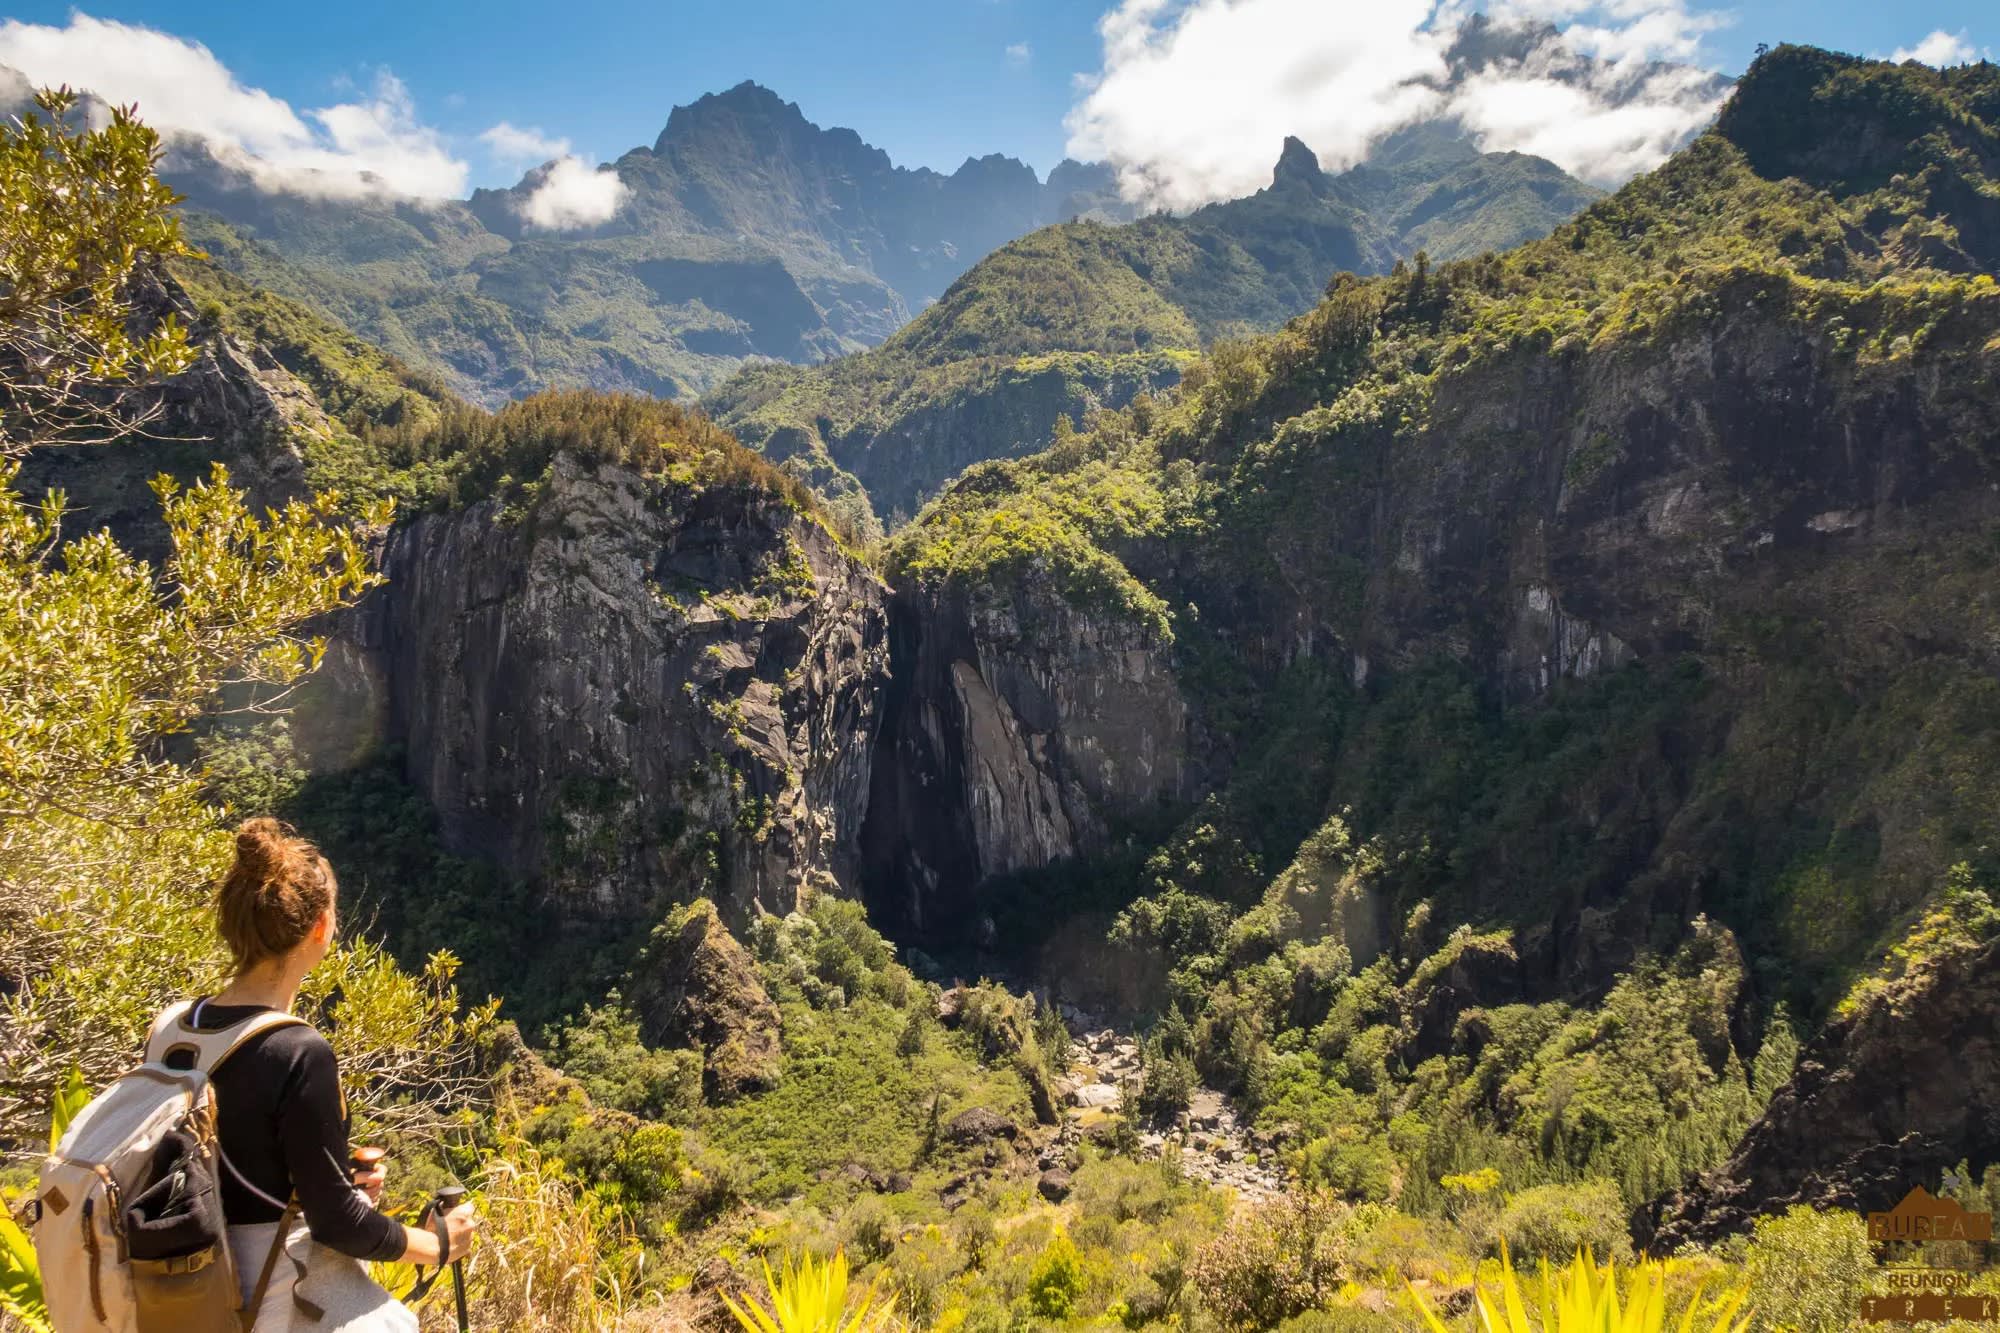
(1019, 732)
(634, 693)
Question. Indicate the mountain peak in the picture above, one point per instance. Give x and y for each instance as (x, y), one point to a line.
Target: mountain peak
(748, 103)
(1298, 163)
(748, 93)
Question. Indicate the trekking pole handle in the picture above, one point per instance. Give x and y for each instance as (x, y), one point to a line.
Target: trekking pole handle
(448, 1198)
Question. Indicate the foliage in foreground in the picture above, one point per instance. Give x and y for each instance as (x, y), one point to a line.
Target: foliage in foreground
(81, 214)
(811, 1296)
(1584, 1298)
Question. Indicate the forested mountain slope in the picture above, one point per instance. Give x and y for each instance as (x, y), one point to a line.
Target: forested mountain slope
(1576, 625)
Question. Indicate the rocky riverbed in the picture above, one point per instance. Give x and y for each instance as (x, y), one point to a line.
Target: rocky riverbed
(1209, 1140)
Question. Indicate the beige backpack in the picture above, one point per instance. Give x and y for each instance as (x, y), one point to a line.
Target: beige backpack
(129, 1229)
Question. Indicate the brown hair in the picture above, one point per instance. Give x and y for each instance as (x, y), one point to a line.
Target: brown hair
(273, 894)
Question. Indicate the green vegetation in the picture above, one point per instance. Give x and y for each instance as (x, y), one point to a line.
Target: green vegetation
(1808, 1270)
(1490, 937)
(1353, 933)
(109, 846)
(81, 216)
(811, 1297)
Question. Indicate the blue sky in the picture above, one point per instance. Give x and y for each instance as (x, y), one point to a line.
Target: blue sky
(931, 81)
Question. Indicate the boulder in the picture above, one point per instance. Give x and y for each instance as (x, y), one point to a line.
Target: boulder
(980, 1125)
(1054, 1185)
(1093, 1095)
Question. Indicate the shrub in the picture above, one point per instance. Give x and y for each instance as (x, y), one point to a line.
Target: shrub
(1556, 1222)
(1124, 1190)
(1169, 1085)
(1389, 1244)
(1351, 1160)
(552, 1256)
(916, 1032)
(921, 1270)
(603, 1052)
(847, 951)
(869, 1228)
(1808, 1269)
(1056, 1284)
(1279, 1261)
(1344, 1319)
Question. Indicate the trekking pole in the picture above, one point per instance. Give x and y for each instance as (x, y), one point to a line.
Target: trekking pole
(449, 1198)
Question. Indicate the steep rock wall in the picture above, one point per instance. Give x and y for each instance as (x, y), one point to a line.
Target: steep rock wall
(1739, 484)
(1018, 732)
(633, 693)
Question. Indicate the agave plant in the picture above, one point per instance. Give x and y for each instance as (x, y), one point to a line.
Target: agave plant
(811, 1297)
(1583, 1298)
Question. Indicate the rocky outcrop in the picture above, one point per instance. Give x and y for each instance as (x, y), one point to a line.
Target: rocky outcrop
(633, 692)
(695, 986)
(1886, 1098)
(1018, 731)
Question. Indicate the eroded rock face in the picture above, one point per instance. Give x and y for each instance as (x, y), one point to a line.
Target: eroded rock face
(1883, 1100)
(633, 693)
(1018, 732)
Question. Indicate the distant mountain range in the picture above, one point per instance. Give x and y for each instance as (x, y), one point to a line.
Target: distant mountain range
(746, 232)
(1085, 315)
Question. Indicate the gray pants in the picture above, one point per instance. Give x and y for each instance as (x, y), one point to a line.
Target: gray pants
(325, 1278)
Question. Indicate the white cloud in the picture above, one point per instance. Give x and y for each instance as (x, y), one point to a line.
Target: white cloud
(511, 144)
(573, 195)
(371, 145)
(1195, 96)
(1941, 48)
(1020, 53)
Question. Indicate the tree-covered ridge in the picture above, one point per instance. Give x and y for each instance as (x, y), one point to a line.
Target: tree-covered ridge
(1664, 248)
(1084, 314)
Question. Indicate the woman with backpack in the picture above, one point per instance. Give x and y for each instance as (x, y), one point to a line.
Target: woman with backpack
(281, 1123)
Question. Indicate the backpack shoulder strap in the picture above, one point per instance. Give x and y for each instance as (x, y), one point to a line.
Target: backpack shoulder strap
(169, 1019)
(174, 1031)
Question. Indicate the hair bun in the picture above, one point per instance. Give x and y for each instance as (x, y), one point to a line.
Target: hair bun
(260, 845)
(276, 891)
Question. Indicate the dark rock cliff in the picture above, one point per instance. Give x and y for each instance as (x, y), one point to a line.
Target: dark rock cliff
(1018, 732)
(1738, 489)
(633, 694)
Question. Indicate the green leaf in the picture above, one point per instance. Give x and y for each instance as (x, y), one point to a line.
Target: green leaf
(21, 1278)
(70, 1098)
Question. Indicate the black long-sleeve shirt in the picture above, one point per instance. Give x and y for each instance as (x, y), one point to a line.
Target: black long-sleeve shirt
(283, 1128)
